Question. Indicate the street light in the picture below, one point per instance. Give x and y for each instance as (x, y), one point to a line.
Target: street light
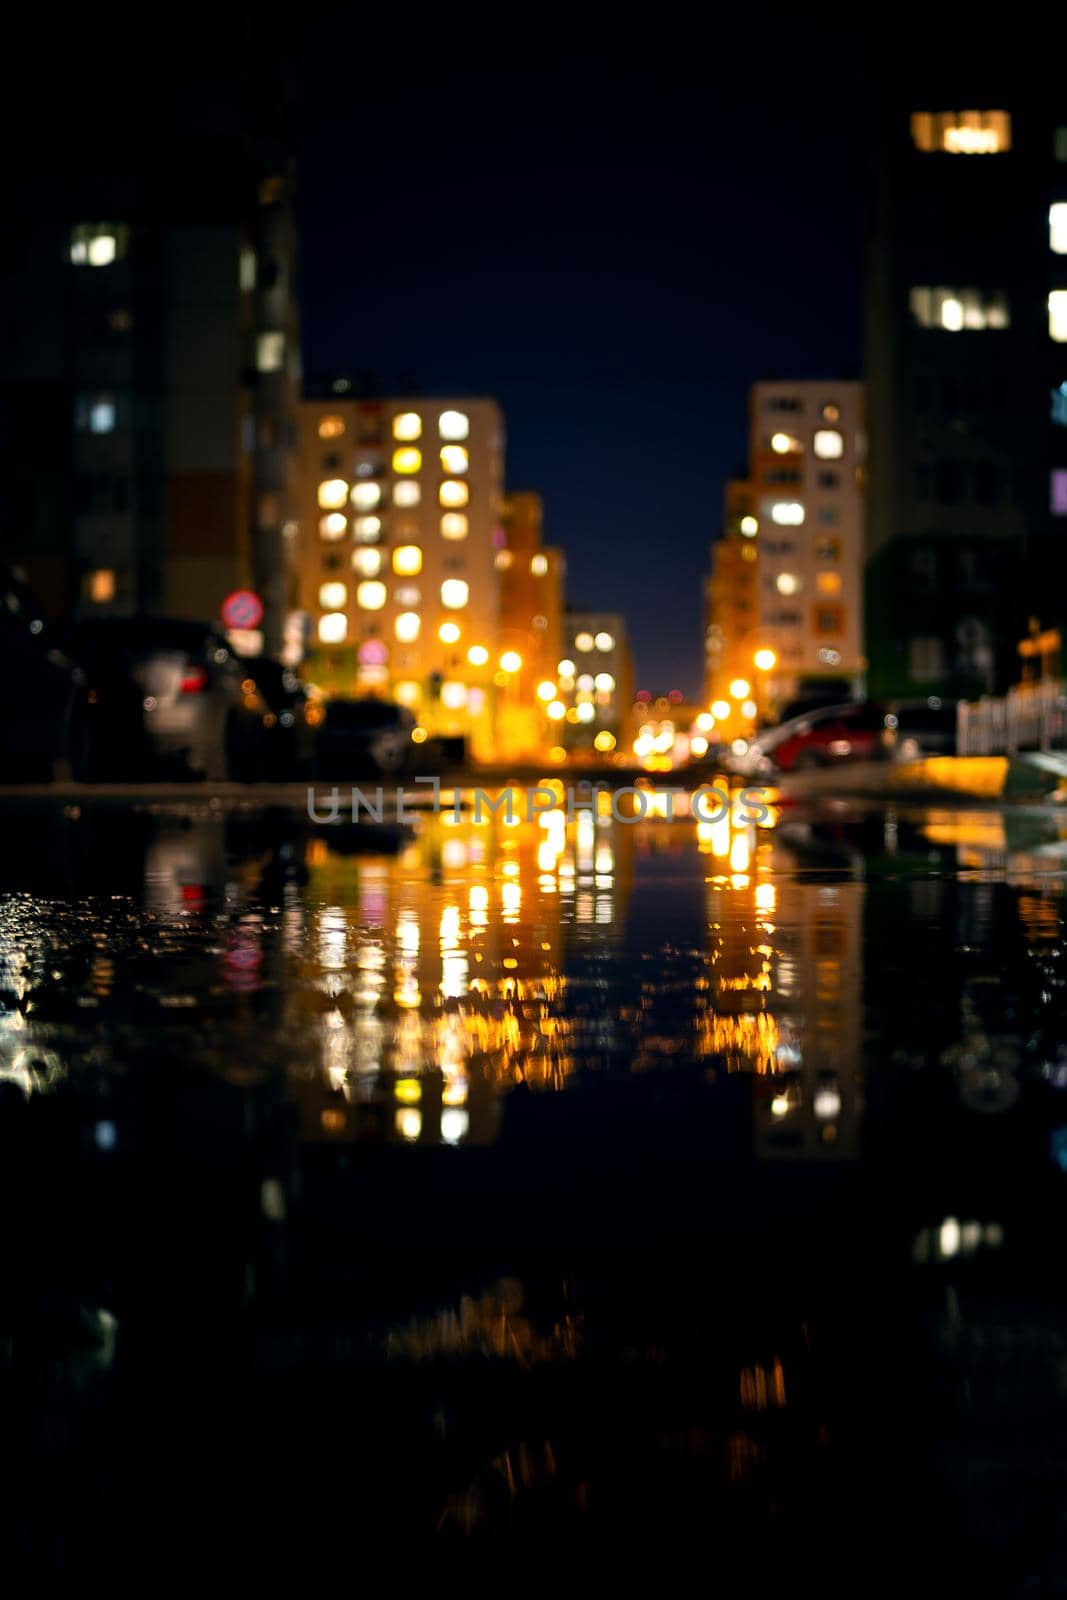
(510, 661)
(765, 660)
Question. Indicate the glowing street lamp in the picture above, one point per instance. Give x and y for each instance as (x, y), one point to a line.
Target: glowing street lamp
(510, 661)
(765, 660)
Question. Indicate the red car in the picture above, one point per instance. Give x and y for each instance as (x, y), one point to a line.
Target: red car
(853, 732)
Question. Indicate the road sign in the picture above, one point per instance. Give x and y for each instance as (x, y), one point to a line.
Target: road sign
(242, 609)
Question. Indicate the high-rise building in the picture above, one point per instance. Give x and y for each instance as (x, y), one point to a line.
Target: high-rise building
(400, 534)
(732, 596)
(149, 346)
(596, 682)
(966, 362)
(530, 627)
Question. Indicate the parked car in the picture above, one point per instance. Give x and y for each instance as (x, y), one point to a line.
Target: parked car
(921, 728)
(42, 694)
(853, 732)
(357, 737)
(290, 746)
(167, 698)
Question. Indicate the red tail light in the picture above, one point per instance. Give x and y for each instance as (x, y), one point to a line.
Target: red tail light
(194, 681)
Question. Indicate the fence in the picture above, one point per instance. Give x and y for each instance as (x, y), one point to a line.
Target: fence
(1032, 716)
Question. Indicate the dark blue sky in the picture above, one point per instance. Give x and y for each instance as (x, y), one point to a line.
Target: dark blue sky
(616, 247)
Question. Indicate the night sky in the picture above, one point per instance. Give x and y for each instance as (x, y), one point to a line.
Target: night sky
(615, 246)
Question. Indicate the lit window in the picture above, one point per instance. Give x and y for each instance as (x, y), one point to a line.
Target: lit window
(406, 494)
(1058, 492)
(454, 525)
(371, 596)
(333, 493)
(408, 425)
(749, 527)
(270, 352)
(1059, 405)
(1057, 228)
(830, 412)
(407, 460)
(454, 594)
(97, 244)
(454, 458)
(583, 642)
(368, 563)
(407, 560)
(502, 560)
(333, 526)
(449, 632)
(828, 583)
(604, 682)
(407, 693)
(784, 444)
(787, 513)
(604, 641)
(787, 583)
(477, 655)
(585, 683)
(368, 530)
(332, 627)
(828, 444)
(454, 493)
(454, 696)
(332, 596)
(967, 133)
(98, 415)
(365, 496)
(539, 565)
(1057, 316)
(407, 626)
(565, 668)
(959, 310)
(331, 427)
(101, 586)
(454, 425)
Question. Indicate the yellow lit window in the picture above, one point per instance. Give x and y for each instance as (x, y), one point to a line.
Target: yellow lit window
(784, 444)
(365, 496)
(334, 526)
(332, 596)
(368, 563)
(538, 565)
(101, 586)
(454, 525)
(502, 560)
(1057, 228)
(968, 133)
(454, 458)
(407, 693)
(332, 627)
(828, 583)
(1057, 315)
(454, 425)
(367, 529)
(407, 560)
(454, 493)
(333, 493)
(331, 427)
(604, 641)
(270, 352)
(407, 627)
(454, 594)
(371, 596)
(604, 682)
(407, 460)
(454, 696)
(406, 494)
(448, 632)
(583, 641)
(408, 425)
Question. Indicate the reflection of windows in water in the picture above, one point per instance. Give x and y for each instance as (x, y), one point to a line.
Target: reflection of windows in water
(828, 939)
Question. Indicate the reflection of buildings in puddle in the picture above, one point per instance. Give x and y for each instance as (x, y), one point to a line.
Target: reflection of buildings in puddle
(1021, 848)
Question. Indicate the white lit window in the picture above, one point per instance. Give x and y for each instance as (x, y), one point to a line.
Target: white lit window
(454, 493)
(270, 352)
(1057, 316)
(331, 427)
(407, 459)
(407, 560)
(454, 525)
(333, 493)
(97, 244)
(334, 526)
(604, 641)
(454, 458)
(332, 596)
(539, 565)
(454, 594)
(454, 425)
(454, 696)
(604, 682)
(406, 494)
(365, 496)
(408, 425)
(449, 632)
(583, 642)
(787, 583)
(368, 563)
(332, 627)
(784, 444)
(967, 133)
(371, 596)
(407, 595)
(246, 270)
(828, 444)
(368, 530)
(787, 513)
(407, 627)
(1057, 228)
(102, 416)
(959, 310)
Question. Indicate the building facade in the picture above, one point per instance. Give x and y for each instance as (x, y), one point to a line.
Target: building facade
(532, 579)
(966, 362)
(398, 546)
(595, 683)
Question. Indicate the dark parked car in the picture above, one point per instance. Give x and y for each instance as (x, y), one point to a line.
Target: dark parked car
(168, 698)
(357, 737)
(290, 748)
(853, 732)
(921, 728)
(42, 694)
